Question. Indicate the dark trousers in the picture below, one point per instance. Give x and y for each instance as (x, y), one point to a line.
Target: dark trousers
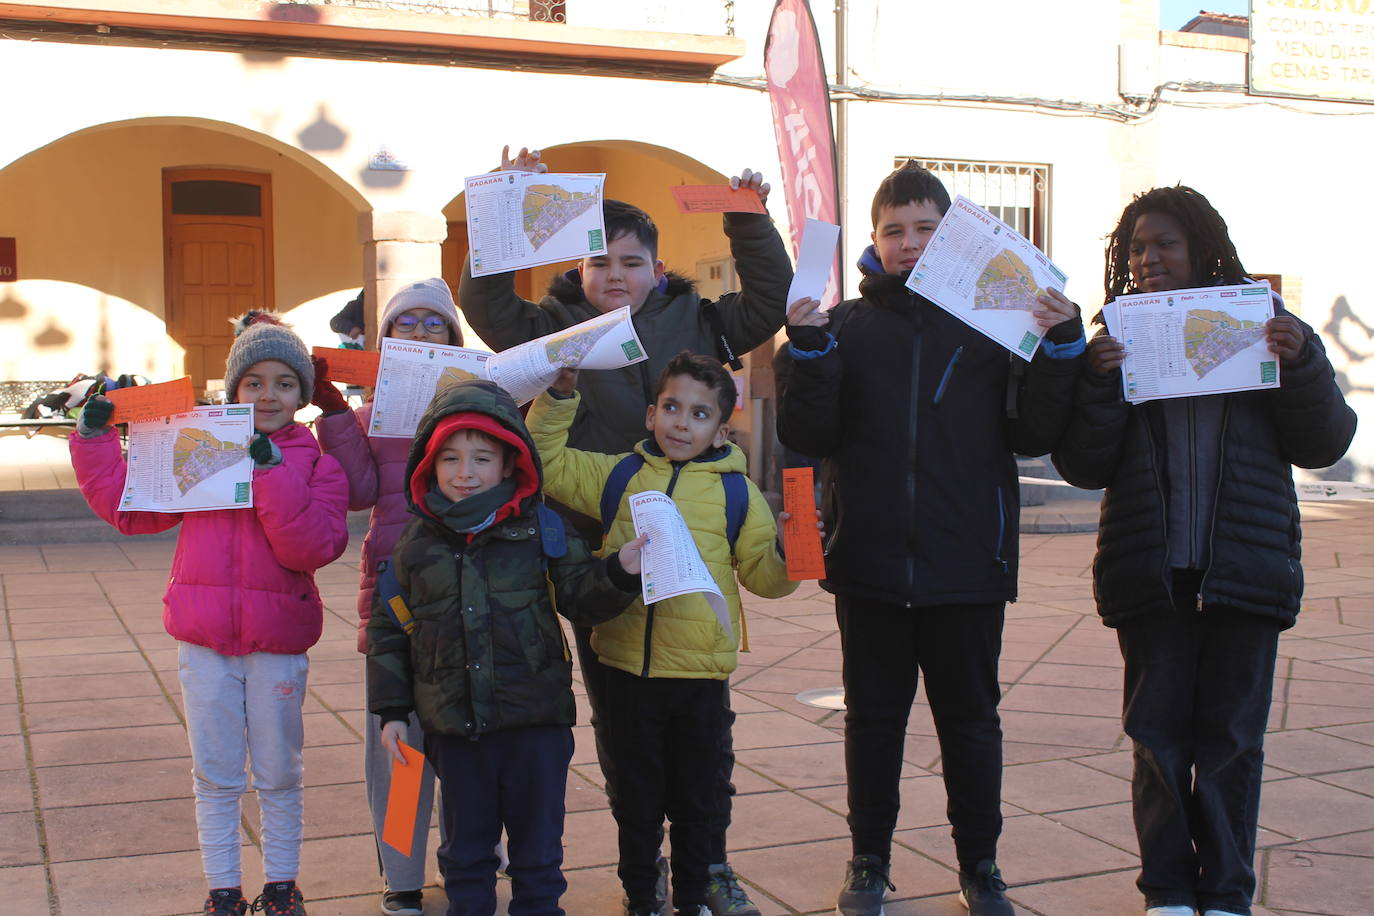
(885, 648)
(1196, 703)
(516, 779)
(662, 734)
(594, 678)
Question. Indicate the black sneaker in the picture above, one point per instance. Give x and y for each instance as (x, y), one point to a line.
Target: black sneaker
(225, 901)
(725, 896)
(865, 886)
(280, 898)
(984, 892)
(403, 903)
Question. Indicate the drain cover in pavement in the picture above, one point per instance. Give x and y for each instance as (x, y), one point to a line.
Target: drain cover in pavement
(823, 697)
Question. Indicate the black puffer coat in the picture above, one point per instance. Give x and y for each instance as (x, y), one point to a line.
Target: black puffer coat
(1255, 542)
(910, 413)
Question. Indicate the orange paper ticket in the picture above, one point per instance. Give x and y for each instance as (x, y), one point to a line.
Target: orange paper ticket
(150, 402)
(403, 801)
(801, 540)
(716, 198)
(352, 367)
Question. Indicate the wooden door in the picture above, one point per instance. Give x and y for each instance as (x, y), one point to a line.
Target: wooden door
(218, 232)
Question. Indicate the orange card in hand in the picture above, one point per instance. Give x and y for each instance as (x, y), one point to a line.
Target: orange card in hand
(801, 539)
(403, 802)
(716, 198)
(152, 402)
(352, 367)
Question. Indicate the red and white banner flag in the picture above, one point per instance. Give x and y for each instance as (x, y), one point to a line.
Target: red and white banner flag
(799, 89)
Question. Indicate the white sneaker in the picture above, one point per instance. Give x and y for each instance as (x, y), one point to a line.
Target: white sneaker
(1178, 910)
(1219, 913)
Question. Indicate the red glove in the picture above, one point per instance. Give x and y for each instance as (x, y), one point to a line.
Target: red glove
(325, 396)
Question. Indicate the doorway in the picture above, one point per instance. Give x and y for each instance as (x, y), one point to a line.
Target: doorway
(217, 224)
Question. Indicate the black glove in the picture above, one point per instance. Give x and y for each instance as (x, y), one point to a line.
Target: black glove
(263, 452)
(95, 416)
(808, 338)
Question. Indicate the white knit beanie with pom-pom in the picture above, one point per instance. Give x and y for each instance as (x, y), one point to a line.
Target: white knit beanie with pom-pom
(261, 336)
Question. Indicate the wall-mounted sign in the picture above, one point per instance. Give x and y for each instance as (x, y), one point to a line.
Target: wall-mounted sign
(9, 261)
(1316, 49)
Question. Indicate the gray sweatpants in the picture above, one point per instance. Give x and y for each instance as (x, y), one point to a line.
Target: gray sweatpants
(241, 712)
(401, 873)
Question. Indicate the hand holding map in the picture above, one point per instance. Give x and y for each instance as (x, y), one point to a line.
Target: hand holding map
(982, 272)
(671, 564)
(520, 219)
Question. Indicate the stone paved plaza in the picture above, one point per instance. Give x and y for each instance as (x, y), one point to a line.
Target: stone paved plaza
(96, 814)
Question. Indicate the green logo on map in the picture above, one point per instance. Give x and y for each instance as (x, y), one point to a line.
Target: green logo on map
(631, 349)
(241, 492)
(594, 240)
(1028, 343)
(1269, 372)
(236, 411)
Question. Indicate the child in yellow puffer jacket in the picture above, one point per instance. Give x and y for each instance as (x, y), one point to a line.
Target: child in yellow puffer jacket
(668, 664)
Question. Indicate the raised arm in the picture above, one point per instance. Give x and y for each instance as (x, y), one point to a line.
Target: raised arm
(573, 477)
(759, 310)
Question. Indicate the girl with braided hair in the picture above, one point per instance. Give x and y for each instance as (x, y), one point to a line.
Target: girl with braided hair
(1198, 550)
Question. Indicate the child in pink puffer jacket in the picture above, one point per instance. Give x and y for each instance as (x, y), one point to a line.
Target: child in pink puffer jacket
(243, 606)
(423, 311)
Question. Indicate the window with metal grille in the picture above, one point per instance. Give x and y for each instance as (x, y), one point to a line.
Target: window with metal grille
(1017, 193)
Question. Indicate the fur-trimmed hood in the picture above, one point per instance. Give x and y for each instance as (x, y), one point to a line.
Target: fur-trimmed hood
(567, 286)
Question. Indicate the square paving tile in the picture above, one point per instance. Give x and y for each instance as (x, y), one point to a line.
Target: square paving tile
(26, 889)
(167, 883)
(1317, 883)
(1060, 785)
(109, 745)
(1303, 808)
(101, 783)
(18, 842)
(126, 829)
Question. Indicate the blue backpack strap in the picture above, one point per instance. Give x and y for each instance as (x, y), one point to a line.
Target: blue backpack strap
(553, 535)
(393, 597)
(736, 505)
(616, 482)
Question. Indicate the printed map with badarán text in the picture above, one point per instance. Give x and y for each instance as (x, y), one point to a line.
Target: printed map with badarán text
(197, 456)
(548, 208)
(1211, 337)
(1006, 283)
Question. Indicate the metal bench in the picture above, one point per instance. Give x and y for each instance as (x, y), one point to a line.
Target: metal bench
(16, 396)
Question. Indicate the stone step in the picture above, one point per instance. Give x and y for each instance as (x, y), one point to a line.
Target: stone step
(62, 517)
